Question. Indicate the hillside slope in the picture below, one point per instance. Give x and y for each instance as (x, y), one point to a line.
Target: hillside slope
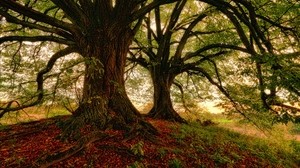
(36, 144)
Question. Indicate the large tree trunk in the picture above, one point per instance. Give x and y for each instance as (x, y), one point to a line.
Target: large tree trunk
(104, 101)
(162, 103)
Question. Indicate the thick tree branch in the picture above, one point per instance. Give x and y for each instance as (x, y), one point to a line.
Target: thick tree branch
(139, 60)
(189, 66)
(137, 26)
(40, 83)
(234, 15)
(150, 32)
(146, 9)
(186, 35)
(197, 33)
(157, 23)
(273, 23)
(213, 46)
(12, 19)
(35, 39)
(254, 26)
(35, 15)
(174, 17)
(146, 50)
(72, 10)
(163, 52)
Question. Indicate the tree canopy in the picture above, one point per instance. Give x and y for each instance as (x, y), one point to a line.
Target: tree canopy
(235, 45)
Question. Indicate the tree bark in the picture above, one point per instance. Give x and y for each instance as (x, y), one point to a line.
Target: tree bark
(104, 102)
(162, 103)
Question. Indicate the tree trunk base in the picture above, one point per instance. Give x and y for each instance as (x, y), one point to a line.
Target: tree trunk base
(139, 129)
(142, 129)
(166, 114)
(71, 129)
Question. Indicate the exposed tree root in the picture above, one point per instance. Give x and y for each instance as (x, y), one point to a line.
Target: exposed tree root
(70, 129)
(118, 123)
(20, 134)
(144, 130)
(34, 128)
(61, 155)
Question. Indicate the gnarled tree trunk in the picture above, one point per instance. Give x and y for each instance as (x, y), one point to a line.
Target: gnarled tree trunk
(104, 101)
(163, 107)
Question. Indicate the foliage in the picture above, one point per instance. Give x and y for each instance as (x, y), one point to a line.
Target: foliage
(175, 163)
(162, 152)
(137, 149)
(138, 86)
(136, 164)
(248, 56)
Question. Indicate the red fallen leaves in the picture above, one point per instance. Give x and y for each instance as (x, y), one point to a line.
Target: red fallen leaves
(23, 150)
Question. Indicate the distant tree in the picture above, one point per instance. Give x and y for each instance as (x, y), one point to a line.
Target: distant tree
(204, 37)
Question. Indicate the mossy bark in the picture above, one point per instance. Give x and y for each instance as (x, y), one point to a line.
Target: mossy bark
(104, 102)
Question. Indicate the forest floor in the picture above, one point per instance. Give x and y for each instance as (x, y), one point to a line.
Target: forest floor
(177, 145)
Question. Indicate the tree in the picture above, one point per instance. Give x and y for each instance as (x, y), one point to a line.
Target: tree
(166, 53)
(246, 29)
(101, 32)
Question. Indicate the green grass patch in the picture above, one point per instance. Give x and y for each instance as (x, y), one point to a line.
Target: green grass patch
(226, 147)
(175, 163)
(224, 120)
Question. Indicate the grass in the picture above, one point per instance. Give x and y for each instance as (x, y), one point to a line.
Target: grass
(295, 129)
(32, 114)
(175, 163)
(278, 131)
(227, 147)
(227, 143)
